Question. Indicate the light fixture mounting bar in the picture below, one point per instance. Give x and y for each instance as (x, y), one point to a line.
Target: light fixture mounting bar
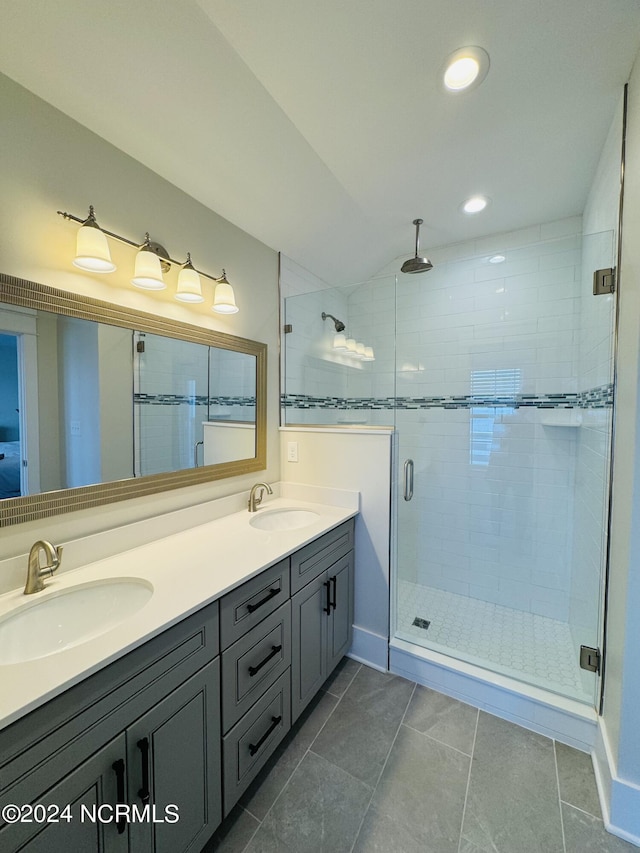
(164, 256)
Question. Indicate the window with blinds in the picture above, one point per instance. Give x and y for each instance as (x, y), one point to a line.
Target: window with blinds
(493, 393)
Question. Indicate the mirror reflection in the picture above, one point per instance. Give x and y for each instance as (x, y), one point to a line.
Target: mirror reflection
(84, 402)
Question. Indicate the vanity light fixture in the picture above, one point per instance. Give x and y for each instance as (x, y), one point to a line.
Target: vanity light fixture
(465, 69)
(340, 342)
(152, 260)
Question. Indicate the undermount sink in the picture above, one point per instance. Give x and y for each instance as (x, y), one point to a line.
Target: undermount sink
(283, 519)
(69, 617)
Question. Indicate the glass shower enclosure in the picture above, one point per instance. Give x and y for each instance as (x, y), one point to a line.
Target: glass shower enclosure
(504, 391)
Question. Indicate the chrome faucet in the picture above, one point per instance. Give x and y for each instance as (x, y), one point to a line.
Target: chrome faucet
(255, 499)
(36, 572)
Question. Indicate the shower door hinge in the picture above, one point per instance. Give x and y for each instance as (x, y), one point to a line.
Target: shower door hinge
(604, 281)
(590, 658)
(288, 328)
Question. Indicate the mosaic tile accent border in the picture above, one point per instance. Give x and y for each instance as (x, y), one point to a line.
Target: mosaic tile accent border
(594, 398)
(191, 400)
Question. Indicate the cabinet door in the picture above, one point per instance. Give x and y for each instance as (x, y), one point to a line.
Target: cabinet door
(174, 760)
(93, 784)
(341, 620)
(309, 642)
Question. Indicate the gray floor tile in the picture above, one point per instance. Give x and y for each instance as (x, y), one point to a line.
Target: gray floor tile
(319, 811)
(381, 833)
(577, 779)
(234, 833)
(442, 718)
(512, 804)
(263, 792)
(359, 733)
(341, 677)
(586, 834)
(419, 800)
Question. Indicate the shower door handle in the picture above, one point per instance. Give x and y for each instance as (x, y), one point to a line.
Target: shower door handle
(195, 452)
(408, 479)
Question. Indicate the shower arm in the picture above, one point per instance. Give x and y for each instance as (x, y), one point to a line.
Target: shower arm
(417, 223)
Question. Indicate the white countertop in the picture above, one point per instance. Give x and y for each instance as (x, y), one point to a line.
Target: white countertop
(187, 570)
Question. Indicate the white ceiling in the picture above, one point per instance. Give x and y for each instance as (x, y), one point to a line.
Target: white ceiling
(320, 127)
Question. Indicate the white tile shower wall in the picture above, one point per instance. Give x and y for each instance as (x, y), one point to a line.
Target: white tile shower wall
(312, 368)
(492, 509)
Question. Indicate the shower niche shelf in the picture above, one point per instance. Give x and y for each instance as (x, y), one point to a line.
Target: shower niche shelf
(562, 418)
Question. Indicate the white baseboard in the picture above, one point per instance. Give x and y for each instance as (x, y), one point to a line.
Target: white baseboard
(562, 719)
(619, 799)
(369, 648)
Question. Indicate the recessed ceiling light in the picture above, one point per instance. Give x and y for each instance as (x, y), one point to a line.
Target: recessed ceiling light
(475, 204)
(465, 68)
(497, 259)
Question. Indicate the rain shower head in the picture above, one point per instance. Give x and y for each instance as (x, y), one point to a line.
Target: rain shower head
(416, 264)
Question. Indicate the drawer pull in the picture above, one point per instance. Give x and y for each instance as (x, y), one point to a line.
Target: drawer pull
(118, 767)
(268, 597)
(334, 586)
(253, 670)
(254, 747)
(143, 793)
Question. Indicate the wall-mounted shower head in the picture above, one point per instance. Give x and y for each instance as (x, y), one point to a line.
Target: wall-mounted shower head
(340, 326)
(417, 264)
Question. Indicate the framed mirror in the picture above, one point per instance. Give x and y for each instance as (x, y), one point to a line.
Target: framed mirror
(101, 403)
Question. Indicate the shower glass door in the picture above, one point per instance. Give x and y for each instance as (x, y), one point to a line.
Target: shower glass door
(504, 371)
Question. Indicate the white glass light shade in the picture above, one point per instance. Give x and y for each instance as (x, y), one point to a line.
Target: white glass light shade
(339, 342)
(359, 350)
(148, 273)
(92, 250)
(189, 288)
(368, 354)
(224, 301)
(351, 346)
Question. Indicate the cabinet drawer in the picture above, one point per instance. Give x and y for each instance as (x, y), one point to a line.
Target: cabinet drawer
(253, 663)
(249, 604)
(314, 558)
(252, 741)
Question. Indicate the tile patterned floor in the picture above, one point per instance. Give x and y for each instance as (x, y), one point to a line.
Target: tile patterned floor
(381, 765)
(525, 646)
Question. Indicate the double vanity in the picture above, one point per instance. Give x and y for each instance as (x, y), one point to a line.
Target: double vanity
(146, 690)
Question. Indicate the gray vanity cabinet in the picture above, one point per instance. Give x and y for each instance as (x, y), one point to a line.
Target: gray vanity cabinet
(322, 620)
(87, 746)
(182, 725)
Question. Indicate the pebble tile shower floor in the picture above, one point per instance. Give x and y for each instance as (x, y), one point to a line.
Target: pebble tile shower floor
(379, 764)
(526, 646)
